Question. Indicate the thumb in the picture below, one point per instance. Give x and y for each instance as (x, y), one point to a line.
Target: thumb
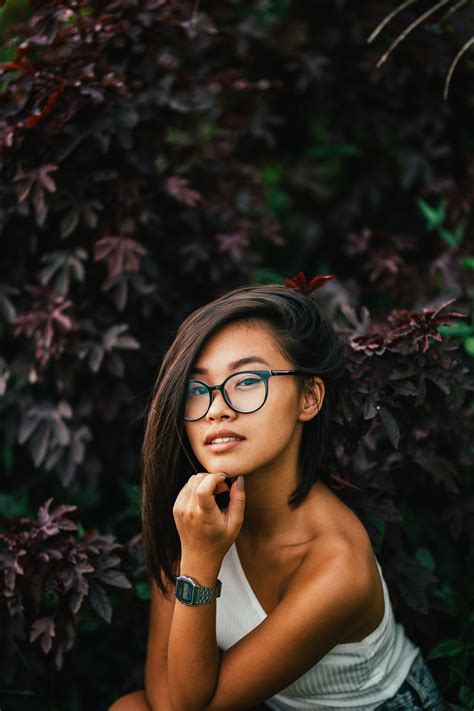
(235, 511)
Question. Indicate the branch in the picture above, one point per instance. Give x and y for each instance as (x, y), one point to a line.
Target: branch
(389, 17)
(456, 59)
(453, 9)
(409, 29)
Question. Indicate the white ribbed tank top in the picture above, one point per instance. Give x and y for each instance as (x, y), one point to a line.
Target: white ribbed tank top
(356, 675)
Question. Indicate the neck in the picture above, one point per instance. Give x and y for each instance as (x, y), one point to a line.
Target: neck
(268, 517)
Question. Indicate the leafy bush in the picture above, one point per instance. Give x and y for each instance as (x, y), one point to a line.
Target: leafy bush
(59, 571)
(154, 156)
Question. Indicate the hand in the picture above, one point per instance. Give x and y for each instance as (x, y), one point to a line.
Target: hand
(205, 531)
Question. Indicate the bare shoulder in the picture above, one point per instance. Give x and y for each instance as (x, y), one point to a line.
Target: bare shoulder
(336, 527)
(341, 553)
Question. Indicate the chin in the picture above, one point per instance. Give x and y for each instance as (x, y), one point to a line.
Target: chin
(224, 464)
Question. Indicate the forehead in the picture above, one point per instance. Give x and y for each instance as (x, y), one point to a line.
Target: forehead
(240, 340)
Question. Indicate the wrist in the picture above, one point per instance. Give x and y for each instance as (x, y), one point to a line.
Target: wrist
(205, 572)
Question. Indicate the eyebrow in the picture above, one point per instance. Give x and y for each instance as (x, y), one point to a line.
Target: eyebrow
(236, 363)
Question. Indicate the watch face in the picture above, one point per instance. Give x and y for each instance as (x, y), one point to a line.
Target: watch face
(185, 591)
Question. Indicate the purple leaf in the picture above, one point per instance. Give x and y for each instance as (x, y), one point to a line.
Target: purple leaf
(113, 577)
(75, 600)
(391, 425)
(178, 188)
(100, 601)
(43, 626)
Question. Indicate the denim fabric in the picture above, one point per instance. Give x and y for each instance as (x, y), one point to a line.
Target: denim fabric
(418, 691)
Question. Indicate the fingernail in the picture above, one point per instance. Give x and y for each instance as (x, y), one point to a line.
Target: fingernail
(240, 483)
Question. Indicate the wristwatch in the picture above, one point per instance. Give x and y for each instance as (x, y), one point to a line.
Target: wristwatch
(189, 592)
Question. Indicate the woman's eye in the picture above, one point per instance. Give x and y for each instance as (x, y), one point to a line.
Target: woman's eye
(248, 381)
(195, 389)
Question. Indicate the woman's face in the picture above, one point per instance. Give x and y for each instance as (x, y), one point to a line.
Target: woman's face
(270, 433)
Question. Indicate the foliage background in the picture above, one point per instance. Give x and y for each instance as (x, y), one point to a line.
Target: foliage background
(156, 154)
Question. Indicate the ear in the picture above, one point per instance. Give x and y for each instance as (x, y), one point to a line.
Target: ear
(311, 399)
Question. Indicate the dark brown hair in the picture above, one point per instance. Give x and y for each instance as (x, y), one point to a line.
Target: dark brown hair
(304, 334)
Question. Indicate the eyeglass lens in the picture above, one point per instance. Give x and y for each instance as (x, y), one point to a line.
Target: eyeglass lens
(245, 392)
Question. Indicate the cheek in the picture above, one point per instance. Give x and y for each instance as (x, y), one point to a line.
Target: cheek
(194, 437)
(273, 430)
(270, 440)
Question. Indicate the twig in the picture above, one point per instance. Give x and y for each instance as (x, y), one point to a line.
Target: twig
(452, 10)
(389, 17)
(456, 59)
(409, 29)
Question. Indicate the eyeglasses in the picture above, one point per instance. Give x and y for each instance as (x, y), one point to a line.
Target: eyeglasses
(245, 391)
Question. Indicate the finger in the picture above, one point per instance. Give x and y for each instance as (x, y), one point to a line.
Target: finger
(196, 477)
(187, 492)
(221, 488)
(193, 482)
(207, 488)
(236, 509)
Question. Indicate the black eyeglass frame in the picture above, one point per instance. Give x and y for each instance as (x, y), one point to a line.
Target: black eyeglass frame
(265, 374)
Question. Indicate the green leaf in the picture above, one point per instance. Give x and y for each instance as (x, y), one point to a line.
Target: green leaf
(459, 231)
(448, 648)
(266, 276)
(268, 13)
(466, 695)
(143, 591)
(459, 329)
(434, 216)
(469, 346)
(453, 239)
(271, 174)
(177, 137)
(278, 200)
(426, 559)
(14, 505)
(467, 262)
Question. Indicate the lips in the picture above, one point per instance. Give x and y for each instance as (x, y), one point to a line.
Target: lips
(222, 433)
(220, 447)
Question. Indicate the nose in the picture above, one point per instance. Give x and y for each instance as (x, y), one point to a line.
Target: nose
(218, 406)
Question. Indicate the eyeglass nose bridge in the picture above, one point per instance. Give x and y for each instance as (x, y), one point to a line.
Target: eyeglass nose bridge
(222, 391)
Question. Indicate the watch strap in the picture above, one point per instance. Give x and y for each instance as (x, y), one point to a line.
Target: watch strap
(189, 592)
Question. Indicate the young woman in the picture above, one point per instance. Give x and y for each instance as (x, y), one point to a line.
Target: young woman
(274, 596)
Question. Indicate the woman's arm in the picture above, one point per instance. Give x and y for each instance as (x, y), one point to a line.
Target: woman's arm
(328, 597)
(206, 534)
(193, 655)
(158, 695)
(156, 666)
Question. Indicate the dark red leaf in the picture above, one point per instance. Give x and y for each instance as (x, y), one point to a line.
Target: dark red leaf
(300, 283)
